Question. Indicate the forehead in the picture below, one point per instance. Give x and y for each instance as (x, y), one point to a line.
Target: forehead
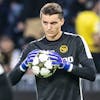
(54, 17)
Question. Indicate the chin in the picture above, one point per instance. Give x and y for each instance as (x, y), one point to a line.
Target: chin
(50, 35)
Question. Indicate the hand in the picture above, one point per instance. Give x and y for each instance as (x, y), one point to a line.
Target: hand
(57, 60)
(30, 57)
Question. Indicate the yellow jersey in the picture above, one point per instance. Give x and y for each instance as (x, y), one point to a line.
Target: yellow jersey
(86, 25)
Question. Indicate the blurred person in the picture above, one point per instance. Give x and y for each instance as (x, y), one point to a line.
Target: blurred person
(70, 51)
(5, 86)
(74, 8)
(88, 25)
(10, 54)
(15, 8)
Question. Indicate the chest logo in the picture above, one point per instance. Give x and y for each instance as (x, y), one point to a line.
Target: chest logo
(63, 48)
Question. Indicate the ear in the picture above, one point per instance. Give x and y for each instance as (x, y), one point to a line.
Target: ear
(62, 21)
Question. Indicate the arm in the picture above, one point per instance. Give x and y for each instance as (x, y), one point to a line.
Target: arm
(27, 57)
(83, 56)
(87, 71)
(16, 74)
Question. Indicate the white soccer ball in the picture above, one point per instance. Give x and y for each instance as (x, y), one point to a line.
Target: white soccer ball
(42, 65)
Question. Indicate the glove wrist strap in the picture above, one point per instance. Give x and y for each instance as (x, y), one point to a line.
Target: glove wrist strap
(70, 68)
(23, 67)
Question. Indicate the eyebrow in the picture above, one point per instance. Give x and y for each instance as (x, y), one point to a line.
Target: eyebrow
(50, 22)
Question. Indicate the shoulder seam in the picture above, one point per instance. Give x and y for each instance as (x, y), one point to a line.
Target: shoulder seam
(72, 34)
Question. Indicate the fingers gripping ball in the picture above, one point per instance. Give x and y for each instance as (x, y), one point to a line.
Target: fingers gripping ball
(42, 65)
(57, 60)
(26, 63)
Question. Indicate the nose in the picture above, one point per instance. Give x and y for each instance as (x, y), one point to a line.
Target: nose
(49, 26)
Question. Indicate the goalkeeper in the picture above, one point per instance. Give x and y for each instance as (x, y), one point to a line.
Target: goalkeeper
(71, 51)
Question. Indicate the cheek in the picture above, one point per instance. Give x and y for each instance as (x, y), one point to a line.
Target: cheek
(44, 27)
(58, 27)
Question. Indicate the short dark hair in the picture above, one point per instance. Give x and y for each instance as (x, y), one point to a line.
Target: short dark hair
(52, 8)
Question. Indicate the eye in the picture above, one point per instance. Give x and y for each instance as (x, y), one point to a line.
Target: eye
(44, 22)
(53, 23)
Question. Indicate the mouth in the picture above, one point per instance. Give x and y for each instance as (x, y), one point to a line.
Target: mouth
(49, 32)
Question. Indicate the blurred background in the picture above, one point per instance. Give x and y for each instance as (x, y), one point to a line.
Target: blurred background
(20, 24)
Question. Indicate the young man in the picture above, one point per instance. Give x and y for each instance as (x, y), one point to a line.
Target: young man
(71, 50)
(5, 86)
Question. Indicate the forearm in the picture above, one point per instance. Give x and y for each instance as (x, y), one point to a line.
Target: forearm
(87, 71)
(15, 75)
(22, 66)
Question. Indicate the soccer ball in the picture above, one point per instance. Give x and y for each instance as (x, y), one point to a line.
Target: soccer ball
(42, 65)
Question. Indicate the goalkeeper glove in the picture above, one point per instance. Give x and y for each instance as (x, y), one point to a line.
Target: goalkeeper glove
(57, 60)
(25, 64)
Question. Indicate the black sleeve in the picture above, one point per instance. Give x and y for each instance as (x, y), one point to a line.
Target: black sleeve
(16, 74)
(5, 88)
(87, 69)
